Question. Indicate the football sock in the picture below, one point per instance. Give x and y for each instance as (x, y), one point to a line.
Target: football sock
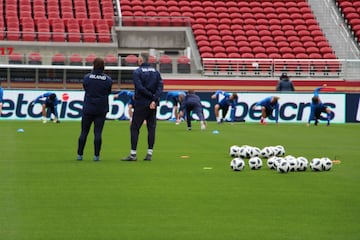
(149, 151)
(133, 152)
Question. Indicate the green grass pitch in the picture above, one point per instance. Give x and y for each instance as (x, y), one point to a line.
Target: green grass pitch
(45, 194)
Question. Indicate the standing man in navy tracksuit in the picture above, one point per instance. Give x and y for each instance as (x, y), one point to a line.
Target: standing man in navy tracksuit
(148, 88)
(268, 105)
(192, 103)
(97, 86)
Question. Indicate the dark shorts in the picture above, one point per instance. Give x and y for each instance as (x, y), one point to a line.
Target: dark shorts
(174, 101)
(319, 110)
(268, 111)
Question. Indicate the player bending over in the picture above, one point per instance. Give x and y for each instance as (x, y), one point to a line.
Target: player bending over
(130, 95)
(50, 103)
(268, 105)
(224, 101)
(317, 107)
(192, 103)
(173, 97)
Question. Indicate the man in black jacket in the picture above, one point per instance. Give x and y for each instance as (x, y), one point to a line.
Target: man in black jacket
(285, 84)
(148, 88)
(97, 86)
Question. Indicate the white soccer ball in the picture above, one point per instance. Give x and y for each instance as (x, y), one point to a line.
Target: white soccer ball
(266, 152)
(326, 163)
(234, 151)
(237, 164)
(316, 165)
(255, 152)
(292, 163)
(244, 151)
(283, 166)
(255, 163)
(280, 150)
(271, 162)
(277, 161)
(302, 163)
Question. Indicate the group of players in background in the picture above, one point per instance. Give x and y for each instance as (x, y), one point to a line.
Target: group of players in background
(226, 100)
(187, 103)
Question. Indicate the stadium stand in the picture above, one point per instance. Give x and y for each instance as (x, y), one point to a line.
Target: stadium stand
(233, 38)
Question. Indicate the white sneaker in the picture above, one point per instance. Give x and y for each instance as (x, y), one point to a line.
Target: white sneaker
(44, 121)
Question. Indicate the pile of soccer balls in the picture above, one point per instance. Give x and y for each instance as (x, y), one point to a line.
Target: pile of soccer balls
(275, 159)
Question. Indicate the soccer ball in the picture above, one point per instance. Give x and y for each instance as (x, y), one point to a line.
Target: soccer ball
(292, 163)
(234, 151)
(255, 152)
(316, 165)
(326, 163)
(277, 161)
(267, 152)
(283, 166)
(302, 163)
(237, 164)
(255, 163)
(280, 150)
(271, 163)
(244, 151)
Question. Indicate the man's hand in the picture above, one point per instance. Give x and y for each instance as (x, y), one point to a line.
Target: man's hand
(153, 105)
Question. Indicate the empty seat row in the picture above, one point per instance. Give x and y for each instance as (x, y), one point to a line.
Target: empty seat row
(351, 14)
(21, 20)
(61, 59)
(226, 28)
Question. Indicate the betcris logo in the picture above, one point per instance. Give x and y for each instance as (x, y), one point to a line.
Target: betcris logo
(294, 107)
(16, 105)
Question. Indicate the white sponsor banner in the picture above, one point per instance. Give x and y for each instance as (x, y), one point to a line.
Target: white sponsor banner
(294, 107)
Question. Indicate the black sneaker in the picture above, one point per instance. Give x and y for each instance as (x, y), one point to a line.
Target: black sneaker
(148, 157)
(129, 158)
(316, 122)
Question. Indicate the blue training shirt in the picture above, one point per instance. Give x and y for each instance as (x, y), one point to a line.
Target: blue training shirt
(129, 94)
(314, 106)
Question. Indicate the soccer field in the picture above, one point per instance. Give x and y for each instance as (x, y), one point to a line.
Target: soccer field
(188, 191)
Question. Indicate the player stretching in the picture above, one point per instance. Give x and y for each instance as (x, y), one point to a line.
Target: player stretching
(268, 105)
(317, 107)
(192, 103)
(224, 101)
(130, 95)
(173, 97)
(50, 102)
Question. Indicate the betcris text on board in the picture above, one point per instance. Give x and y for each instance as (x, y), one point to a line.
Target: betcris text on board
(293, 107)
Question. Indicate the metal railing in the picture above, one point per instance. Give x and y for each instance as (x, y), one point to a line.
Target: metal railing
(347, 69)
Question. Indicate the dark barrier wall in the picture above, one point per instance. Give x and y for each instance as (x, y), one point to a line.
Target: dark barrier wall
(352, 107)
